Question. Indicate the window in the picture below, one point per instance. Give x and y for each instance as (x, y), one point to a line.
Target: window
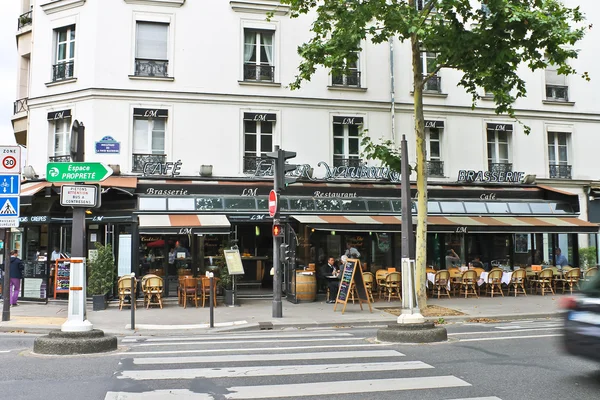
(558, 155)
(258, 139)
(346, 139)
(352, 77)
(556, 85)
(424, 3)
(151, 57)
(259, 55)
(64, 63)
(149, 126)
(433, 134)
(60, 132)
(498, 147)
(428, 62)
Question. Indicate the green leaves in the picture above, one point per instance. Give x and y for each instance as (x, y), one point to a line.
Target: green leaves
(384, 151)
(102, 271)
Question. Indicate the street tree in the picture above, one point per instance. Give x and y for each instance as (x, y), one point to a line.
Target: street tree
(487, 41)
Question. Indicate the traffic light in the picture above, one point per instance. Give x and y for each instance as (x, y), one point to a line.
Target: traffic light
(277, 231)
(281, 168)
(284, 250)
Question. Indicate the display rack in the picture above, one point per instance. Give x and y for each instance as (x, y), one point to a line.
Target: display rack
(62, 276)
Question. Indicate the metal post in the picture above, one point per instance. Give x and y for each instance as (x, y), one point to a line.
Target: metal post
(212, 297)
(133, 300)
(6, 289)
(277, 306)
(233, 290)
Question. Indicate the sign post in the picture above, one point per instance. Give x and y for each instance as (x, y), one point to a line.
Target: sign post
(352, 279)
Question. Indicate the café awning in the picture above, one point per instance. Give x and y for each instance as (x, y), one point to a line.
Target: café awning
(180, 224)
(451, 224)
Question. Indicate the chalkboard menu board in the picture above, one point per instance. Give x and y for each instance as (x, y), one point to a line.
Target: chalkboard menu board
(352, 274)
(34, 269)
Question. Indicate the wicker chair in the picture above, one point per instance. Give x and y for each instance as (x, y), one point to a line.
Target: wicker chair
(517, 280)
(455, 279)
(588, 274)
(571, 279)
(124, 290)
(369, 279)
(153, 288)
(441, 282)
(392, 285)
(380, 275)
(544, 281)
(468, 284)
(494, 282)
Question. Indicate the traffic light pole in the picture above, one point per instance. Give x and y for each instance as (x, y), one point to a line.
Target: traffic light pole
(277, 306)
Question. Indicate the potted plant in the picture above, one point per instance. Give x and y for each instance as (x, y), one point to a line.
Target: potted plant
(225, 280)
(101, 276)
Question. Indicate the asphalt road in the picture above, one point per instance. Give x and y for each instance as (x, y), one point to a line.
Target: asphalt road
(520, 360)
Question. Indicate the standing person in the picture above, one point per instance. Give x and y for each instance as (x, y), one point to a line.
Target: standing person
(16, 274)
(55, 254)
(452, 259)
(327, 271)
(561, 260)
(171, 256)
(351, 252)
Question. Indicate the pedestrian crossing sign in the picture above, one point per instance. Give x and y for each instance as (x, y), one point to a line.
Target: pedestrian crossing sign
(9, 206)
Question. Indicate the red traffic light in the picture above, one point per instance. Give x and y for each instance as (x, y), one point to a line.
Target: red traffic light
(277, 230)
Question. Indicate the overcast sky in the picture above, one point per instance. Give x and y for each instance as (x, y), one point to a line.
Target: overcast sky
(8, 68)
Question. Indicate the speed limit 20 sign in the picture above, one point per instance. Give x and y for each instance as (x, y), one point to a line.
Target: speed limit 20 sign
(10, 159)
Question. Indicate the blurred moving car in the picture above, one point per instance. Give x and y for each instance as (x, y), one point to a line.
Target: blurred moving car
(582, 321)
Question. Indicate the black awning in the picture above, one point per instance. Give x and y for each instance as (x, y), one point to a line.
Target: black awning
(347, 120)
(434, 124)
(62, 114)
(270, 117)
(499, 127)
(150, 112)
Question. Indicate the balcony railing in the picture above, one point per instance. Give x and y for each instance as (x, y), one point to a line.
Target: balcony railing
(20, 106)
(140, 160)
(560, 171)
(62, 71)
(24, 19)
(556, 92)
(259, 72)
(352, 79)
(145, 67)
(499, 167)
(433, 84)
(347, 162)
(59, 159)
(252, 163)
(435, 168)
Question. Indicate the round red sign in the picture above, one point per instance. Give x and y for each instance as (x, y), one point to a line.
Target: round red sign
(272, 203)
(9, 162)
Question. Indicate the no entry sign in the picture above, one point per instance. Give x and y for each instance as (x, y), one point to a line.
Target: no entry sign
(272, 203)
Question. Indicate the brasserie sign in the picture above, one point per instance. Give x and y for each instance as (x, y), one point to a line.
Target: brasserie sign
(490, 176)
(332, 173)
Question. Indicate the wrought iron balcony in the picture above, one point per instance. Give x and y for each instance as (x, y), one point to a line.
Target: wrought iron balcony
(499, 167)
(352, 79)
(24, 19)
(140, 160)
(253, 163)
(259, 72)
(435, 168)
(20, 106)
(59, 159)
(145, 67)
(63, 70)
(557, 92)
(347, 162)
(560, 171)
(433, 84)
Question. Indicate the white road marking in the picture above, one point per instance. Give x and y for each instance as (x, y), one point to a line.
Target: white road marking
(503, 332)
(509, 337)
(268, 357)
(296, 390)
(528, 326)
(324, 339)
(282, 370)
(480, 398)
(237, 336)
(331, 346)
(176, 394)
(179, 327)
(5, 351)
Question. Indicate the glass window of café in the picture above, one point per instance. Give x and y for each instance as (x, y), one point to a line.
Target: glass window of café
(160, 254)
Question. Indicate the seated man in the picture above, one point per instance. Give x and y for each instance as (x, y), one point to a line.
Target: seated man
(329, 270)
(477, 262)
(452, 259)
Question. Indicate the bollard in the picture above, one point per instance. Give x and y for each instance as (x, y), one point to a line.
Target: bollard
(133, 300)
(212, 296)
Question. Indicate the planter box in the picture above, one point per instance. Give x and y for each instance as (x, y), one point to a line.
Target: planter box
(99, 302)
(229, 298)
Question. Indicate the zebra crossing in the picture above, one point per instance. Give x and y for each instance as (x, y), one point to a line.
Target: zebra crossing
(524, 329)
(277, 365)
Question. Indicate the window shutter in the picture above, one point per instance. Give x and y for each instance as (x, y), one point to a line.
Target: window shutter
(151, 40)
(553, 78)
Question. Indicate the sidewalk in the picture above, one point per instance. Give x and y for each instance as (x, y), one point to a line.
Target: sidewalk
(257, 314)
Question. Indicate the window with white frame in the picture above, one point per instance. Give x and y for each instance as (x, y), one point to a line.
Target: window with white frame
(149, 128)
(498, 147)
(259, 61)
(558, 155)
(433, 134)
(351, 77)
(428, 63)
(346, 141)
(258, 139)
(556, 85)
(420, 4)
(60, 130)
(151, 49)
(64, 58)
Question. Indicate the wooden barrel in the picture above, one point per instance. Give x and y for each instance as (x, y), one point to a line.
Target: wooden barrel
(306, 287)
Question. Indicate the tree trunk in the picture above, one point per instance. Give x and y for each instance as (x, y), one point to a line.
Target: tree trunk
(421, 169)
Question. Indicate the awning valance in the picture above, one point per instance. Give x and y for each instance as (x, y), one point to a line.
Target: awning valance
(183, 224)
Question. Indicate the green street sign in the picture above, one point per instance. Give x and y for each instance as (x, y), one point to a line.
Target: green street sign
(77, 172)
